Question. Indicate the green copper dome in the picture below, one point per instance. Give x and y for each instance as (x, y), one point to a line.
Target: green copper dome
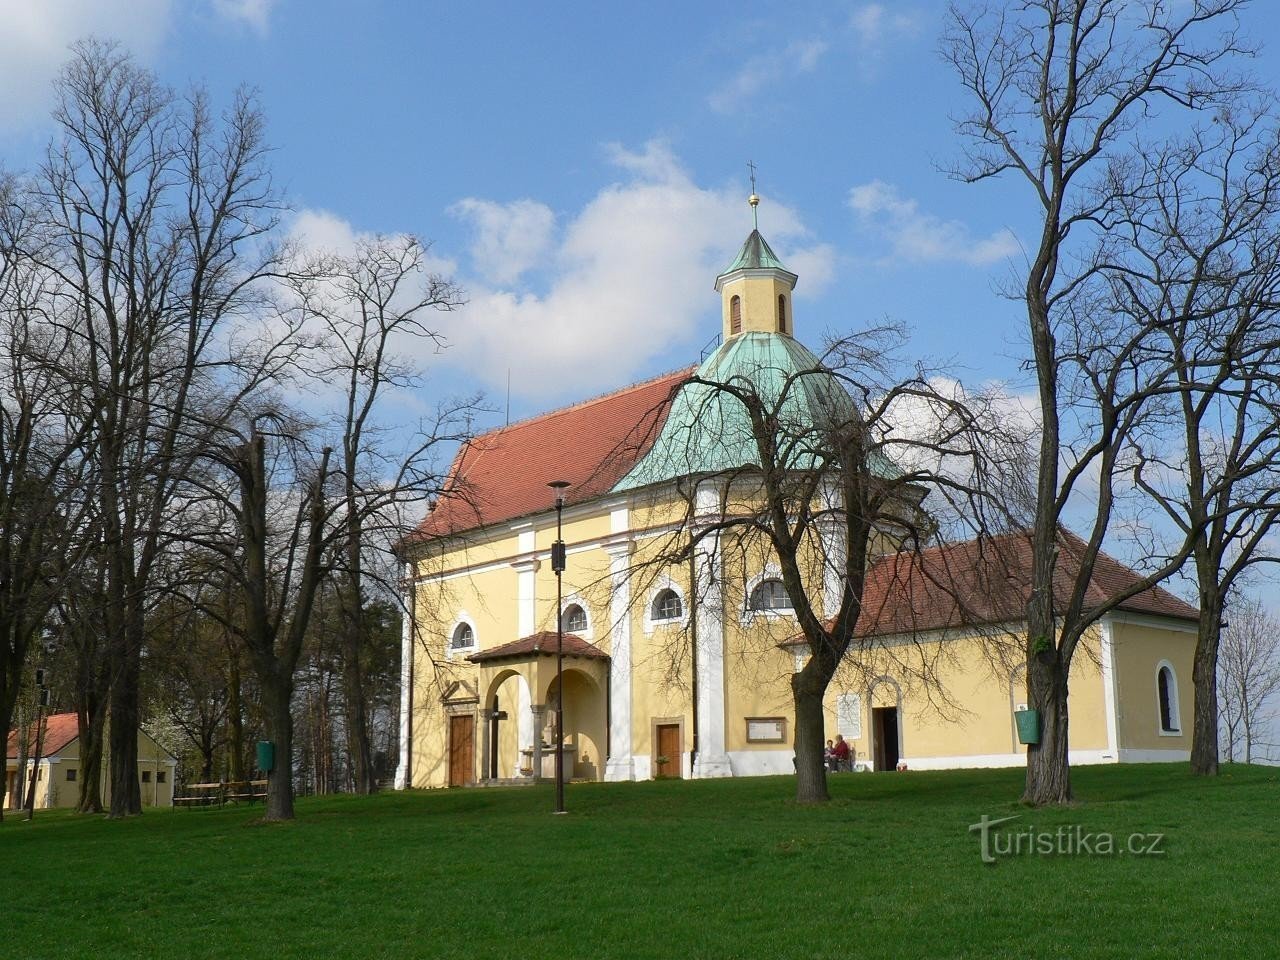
(709, 431)
(756, 254)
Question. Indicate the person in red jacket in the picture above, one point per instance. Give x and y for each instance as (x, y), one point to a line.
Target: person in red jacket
(840, 752)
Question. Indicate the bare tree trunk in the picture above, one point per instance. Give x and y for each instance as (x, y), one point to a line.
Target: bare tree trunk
(807, 688)
(1204, 730)
(91, 721)
(34, 779)
(126, 792)
(235, 717)
(1048, 771)
(355, 643)
(276, 696)
(8, 700)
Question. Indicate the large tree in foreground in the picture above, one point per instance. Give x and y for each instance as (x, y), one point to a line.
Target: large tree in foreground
(154, 213)
(42, 499)
(266, 525)
(1056, 91)
(1194, 250)
(811, 468)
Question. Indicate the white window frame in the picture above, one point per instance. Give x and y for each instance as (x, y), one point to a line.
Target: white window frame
(450, 651)
(1175, 708)
(650, 624)
(575, 600)
(748, 615)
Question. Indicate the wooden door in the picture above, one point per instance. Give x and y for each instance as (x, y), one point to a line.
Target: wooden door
(669, 748)
(462, 750)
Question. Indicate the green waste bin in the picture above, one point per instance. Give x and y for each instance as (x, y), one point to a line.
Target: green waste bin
(1028, 722)
(266, 756)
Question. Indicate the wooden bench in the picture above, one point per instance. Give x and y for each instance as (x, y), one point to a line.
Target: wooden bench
(247, 791)
(201, 795)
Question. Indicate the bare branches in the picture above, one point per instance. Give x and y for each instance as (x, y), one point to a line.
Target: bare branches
(813, 470)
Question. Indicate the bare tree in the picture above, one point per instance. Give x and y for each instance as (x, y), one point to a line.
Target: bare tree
(818, 467)
(40, 465)
(155, 215)
(1248, 679)
(371, 306)
(270, 532)
(1194, 251)
(1058, 89)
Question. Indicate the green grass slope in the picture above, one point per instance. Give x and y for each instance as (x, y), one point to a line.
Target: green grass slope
(665, 869)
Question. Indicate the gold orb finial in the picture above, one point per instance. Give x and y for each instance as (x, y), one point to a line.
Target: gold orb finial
(754, 200)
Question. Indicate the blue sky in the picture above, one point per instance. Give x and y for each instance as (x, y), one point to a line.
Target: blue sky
(581, 167)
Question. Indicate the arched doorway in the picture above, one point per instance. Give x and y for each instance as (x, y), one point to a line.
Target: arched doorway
(585, 724)
(885, 699)
(508, 727)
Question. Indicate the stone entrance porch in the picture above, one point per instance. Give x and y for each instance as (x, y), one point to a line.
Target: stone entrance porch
(518, 700)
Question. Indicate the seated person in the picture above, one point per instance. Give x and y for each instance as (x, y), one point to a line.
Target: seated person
(828, 758)
(842, 754)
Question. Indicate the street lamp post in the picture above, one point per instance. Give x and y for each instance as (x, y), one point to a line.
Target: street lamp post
(557, 567)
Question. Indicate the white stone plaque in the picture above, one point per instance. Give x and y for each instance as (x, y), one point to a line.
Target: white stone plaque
(849, 716)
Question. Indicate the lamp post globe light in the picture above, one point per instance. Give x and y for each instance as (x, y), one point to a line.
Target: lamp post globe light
(557, 567)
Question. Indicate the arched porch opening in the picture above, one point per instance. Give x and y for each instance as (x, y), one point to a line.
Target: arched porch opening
(585, 723)
(508, 728)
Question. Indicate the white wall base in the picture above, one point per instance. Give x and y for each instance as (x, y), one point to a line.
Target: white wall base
(619, 769)
(1019, 759)
(1155, 756)
(761, 763)
(709, 766)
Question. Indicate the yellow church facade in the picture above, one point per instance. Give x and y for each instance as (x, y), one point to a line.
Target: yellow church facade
(671, 672)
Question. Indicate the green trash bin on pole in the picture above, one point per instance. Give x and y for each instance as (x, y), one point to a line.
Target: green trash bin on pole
(1028, 722)
(266, 756)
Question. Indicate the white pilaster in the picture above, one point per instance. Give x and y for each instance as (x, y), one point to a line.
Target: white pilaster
(834, 549)
(1107, 654)
(712, 760)
(524, 719)
(402, 780)
(619, 765)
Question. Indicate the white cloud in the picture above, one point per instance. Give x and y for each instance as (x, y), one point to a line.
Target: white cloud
(873, 24)
(509, 237)
(626, 278)
(37, 34)
(255, 14)
(916, 236)
(798, 57)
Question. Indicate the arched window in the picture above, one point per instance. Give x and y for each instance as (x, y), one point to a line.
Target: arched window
(770, 595)
(1167, 690)
(575, 619)
(735, 315)
(782, 313)
(667, 605)
(463, 637)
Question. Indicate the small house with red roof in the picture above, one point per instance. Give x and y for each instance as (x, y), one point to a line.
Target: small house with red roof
(665, 675)
(58, 771)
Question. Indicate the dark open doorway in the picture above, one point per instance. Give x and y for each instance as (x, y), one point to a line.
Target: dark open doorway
(496, 717)
(884, 721)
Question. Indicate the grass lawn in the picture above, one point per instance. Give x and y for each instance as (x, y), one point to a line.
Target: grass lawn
(664, 869)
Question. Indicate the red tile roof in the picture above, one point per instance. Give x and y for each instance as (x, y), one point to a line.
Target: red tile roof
(61, 730)
(543, 643)
(985, 582)
(503, 474)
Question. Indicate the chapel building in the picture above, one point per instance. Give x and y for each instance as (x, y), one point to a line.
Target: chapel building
(668, 676)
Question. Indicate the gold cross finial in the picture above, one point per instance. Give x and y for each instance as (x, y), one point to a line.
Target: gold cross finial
(753, 199)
